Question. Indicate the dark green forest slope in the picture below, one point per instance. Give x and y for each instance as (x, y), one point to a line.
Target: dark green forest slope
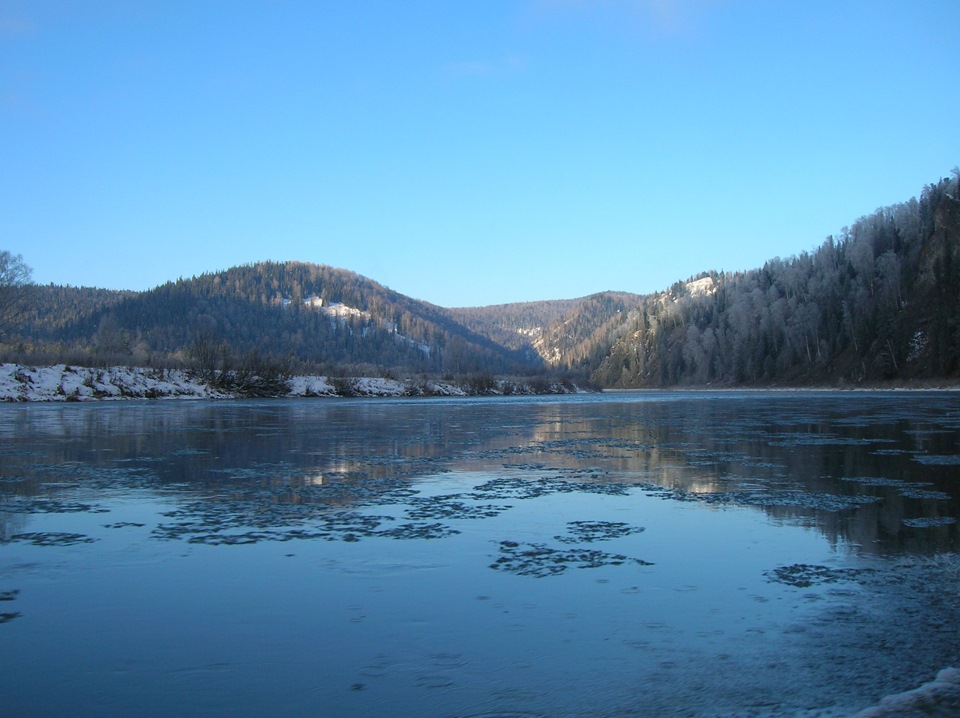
(878, 302)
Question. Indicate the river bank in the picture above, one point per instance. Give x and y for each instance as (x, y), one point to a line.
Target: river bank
(64, 382)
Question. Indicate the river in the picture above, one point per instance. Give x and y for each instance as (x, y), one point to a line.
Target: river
(621, 554)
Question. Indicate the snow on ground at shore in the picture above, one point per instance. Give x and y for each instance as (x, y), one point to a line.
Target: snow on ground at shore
(63, 382)
(369, 386)
(311, 386)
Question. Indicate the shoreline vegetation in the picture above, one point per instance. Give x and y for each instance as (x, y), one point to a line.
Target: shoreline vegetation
(67, 382)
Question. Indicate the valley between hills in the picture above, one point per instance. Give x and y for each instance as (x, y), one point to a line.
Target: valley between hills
(878, 304)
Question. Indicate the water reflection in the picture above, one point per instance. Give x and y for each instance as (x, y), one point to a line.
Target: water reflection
(876, 472)
(683, 552)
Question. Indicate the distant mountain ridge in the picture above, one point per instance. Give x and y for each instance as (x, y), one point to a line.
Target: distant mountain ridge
(316, 314)
(561, 333)
(881, 301)
(320, 316)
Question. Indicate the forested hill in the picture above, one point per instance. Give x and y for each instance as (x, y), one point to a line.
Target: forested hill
(317, 316)
(881, 301)
(569, 334)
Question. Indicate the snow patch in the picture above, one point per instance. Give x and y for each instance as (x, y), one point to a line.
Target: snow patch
(342, 311)
(444, 389)
(701, 287)
(337, 310)
(310, 386)
(71, 383)
(370, 386)
(918, 343)
(62, 382)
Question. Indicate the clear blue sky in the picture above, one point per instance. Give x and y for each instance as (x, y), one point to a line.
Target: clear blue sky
(464, 153)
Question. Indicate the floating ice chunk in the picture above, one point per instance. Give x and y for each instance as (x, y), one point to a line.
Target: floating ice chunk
(926, 523)
(939, 697)
(938, 460)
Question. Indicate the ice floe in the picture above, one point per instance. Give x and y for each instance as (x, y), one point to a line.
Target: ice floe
(939, 697)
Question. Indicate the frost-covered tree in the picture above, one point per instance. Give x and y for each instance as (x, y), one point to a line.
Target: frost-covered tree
(14, 280)
(880, 301)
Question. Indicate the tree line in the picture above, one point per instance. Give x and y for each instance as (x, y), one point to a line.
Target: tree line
(269, 309)
(881, 301)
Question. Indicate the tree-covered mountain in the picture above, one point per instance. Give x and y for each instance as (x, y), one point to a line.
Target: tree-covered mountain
(316, 315)
(880, 301)
(567, 334)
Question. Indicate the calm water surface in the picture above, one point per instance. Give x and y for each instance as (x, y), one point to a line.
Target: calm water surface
(627, 554)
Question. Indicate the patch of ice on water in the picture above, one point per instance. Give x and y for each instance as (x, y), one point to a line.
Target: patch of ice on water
(880, 481)
(939, 697)
(418, 531)
(926, 523)
(925, 494)
(447, 507)
(908, 489)
(540, 561)
(520, 488)
(803, 575)
(938, 460)
(792, 440)
(589, 531)
(52, 538)
(36, 505)
(797, 499)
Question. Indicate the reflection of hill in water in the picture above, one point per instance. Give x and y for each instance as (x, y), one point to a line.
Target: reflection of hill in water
(853, 466)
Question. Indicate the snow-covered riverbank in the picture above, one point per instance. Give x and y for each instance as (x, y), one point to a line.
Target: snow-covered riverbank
(63, 382)
(72, 383)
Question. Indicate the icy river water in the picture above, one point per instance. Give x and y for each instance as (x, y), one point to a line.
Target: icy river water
(622, 554)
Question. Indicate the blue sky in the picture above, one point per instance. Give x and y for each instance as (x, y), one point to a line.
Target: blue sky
(464, 153)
